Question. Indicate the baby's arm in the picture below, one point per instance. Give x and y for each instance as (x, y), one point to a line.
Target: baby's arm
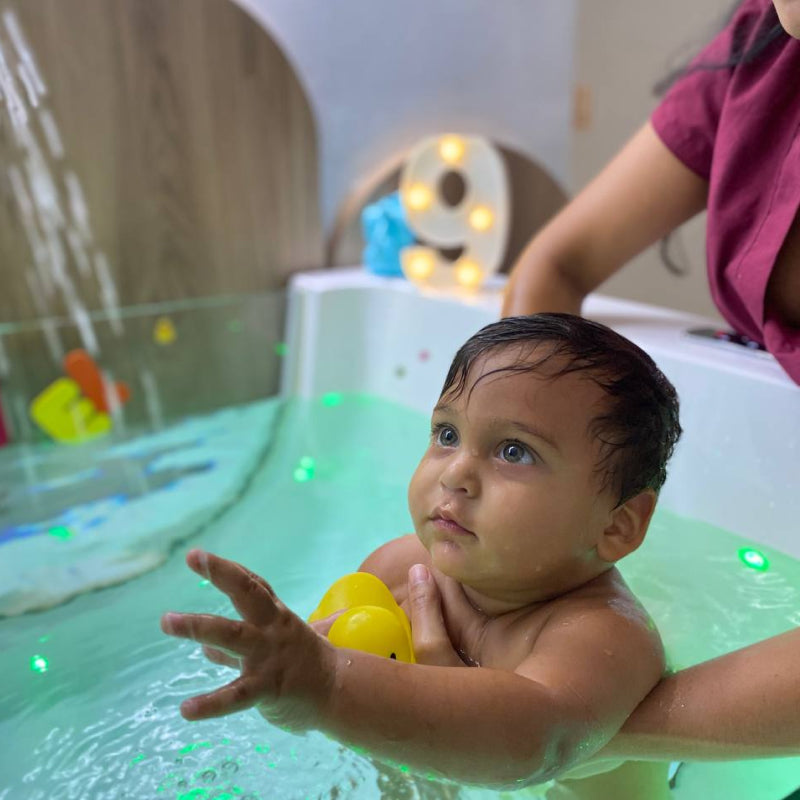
(745, 704)
(478, 725)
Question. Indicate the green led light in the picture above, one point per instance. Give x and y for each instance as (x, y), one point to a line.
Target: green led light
(60, 532)
(331, 399)
(138, 758)
(190, 747)
(753, 559)
(280, 348)
(403, 768)
(302, 475)
(261, 748)
(194, 794)
(306, 462)
(204, 582)
(39, 664)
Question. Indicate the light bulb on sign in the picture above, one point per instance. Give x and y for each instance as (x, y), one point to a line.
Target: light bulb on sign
(468, 274)
(481, 218)
(418, 263)
(477, 223)
(419, 197)
(451, 149)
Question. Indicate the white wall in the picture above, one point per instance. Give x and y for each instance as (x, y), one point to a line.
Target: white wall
(623, 48)
(381, 74)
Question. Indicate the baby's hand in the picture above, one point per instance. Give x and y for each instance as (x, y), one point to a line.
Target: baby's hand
(287, 669)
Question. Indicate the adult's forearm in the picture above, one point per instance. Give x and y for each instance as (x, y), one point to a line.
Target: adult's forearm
(742, 705)
(479, 726)
(538, 284)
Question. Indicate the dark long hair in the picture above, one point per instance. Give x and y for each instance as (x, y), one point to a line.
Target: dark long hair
(742, 52)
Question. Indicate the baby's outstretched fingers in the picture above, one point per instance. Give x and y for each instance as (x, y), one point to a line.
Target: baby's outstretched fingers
(216, 656)
(220, 633)
(250, 594)
(238, 695)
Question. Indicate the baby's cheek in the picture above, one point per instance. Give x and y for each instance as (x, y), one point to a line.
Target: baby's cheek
(417, 488)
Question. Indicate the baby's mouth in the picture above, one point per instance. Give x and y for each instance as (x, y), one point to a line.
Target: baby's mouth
(446, 522)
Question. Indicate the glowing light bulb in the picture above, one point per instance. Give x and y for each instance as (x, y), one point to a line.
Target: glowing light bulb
(451, 149)
(418, 197)
(481, 218)
(420, 266)
(469, 274)
(753, 559)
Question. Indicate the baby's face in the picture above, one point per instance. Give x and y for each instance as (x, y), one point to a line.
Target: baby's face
(507, 498)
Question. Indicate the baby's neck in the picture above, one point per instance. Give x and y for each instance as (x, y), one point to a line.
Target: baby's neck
(496, 604)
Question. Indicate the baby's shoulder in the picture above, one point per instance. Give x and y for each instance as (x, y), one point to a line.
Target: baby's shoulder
(606, 611)
(391, 562)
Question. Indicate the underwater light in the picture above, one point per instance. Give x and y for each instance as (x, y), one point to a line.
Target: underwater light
(39, 664)
(61, 532)
(305, 471)
(753, 559)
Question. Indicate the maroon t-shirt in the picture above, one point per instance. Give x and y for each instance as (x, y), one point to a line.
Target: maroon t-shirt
(737, 127)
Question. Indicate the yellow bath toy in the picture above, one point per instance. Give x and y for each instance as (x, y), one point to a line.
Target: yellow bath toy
(373, 622)
(66, 415)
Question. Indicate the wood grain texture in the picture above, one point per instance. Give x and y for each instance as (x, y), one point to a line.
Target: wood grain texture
(192, 140)
(535, 197)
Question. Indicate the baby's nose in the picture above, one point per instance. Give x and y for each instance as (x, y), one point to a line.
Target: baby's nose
(461, 473)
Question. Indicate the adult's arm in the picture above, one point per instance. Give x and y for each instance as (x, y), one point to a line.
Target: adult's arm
(742, 705)
(641, 195)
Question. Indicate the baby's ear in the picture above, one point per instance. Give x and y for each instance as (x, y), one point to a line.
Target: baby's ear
(628, 525)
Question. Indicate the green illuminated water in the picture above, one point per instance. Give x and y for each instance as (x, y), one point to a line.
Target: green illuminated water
(90, 690)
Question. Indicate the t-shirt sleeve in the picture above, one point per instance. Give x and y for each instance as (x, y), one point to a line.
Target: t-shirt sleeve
(686, 120)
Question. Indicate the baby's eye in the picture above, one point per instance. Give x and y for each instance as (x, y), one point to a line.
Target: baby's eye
(516, 453)
(445, 435)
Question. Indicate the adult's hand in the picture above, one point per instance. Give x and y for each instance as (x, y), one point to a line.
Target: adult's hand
(431, 639)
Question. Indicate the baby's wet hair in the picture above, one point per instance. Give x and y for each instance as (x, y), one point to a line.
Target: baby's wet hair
(640, 427)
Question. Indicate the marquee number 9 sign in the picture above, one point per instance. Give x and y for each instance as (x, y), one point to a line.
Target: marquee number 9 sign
(478, 224)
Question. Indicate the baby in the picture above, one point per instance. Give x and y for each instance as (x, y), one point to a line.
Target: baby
(547, 451)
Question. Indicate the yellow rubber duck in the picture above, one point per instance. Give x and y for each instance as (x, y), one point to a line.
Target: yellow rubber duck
(372, 623)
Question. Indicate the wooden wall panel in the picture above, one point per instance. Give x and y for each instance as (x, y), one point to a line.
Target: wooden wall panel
(191, 138)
